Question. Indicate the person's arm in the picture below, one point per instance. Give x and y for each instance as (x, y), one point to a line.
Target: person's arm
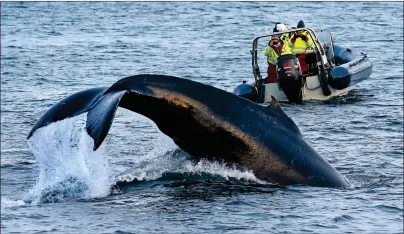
(267, 51)
(286, 49)
(287, 39)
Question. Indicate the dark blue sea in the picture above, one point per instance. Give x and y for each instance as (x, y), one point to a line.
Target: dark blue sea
(139, 181)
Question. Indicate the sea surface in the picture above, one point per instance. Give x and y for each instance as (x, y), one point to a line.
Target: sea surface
(139, 181)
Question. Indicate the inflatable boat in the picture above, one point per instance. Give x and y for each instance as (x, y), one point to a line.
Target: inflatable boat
(320, 72)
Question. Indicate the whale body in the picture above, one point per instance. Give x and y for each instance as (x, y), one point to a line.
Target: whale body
(208, 123)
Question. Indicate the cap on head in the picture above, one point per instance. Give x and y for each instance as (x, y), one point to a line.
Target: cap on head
(301, 24)
(274, 41)
(276, 37)
(279, 27)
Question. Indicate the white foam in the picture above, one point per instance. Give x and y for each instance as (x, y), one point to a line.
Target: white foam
(169, 163)
(5, 202)
(221, 169)
(154, 164)
(63, 152)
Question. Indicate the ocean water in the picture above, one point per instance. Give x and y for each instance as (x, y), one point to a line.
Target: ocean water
(139, 181)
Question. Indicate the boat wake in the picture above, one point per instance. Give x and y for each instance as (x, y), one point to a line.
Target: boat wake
(69, 169)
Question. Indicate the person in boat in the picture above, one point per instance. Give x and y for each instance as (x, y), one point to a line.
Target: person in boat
(279, 27)
(301, 41)
(276, 47)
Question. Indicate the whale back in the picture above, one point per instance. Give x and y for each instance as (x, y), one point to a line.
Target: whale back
(206, 122)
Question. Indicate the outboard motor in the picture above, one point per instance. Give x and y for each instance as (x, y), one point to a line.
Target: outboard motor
(246, 91)
(290, 77)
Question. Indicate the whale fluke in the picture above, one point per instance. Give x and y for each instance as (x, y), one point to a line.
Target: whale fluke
(100, 116)
(71, 106)
(206, 122)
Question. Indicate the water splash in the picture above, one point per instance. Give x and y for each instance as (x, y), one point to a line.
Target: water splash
(221, 169)
(68, 167)
(177, 162)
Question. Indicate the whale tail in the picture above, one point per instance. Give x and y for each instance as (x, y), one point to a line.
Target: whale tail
(71, 106)
(206, 122)
(99, 104)
(100, 116)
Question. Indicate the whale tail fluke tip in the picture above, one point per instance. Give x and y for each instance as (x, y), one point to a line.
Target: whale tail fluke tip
(100, 116)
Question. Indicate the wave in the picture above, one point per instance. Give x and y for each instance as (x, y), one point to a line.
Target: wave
(195, 180)
(185, 168)
(195, 185)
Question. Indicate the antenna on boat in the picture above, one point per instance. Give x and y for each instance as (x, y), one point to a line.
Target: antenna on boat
(263, 16)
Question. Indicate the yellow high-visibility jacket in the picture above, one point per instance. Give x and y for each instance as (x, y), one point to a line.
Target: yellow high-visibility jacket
(272, 56)
(299, 45)
(286, 38)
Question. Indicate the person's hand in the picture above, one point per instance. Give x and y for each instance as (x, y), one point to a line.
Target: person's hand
(274, 42)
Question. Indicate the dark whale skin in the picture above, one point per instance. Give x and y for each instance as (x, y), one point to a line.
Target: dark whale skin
(206, 122)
